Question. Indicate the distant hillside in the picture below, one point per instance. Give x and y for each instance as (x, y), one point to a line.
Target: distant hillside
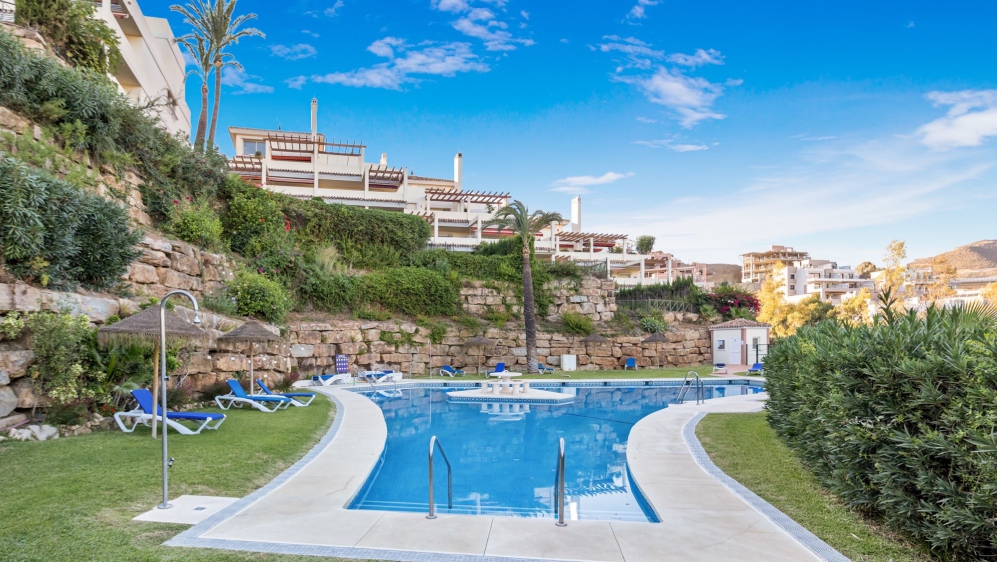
(977, 257)
(720, 272)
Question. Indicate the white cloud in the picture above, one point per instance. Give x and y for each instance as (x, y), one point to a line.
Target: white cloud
(331, 10)
(296, 83)
(406, 64)
(482, 23)
(525, 14)
(827, 188)
(971, 119)
(647, 120)
(639, 54)
(699, 58)
(577, 185)
(638, 11)
(242, 81)
(671, 144)
(691, 98)
(312, 33)
(294, 52)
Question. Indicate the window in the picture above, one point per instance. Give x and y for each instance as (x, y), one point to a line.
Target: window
(793, 287)
(792, 276)
(721, 345)
(754, 343)
(250, 148)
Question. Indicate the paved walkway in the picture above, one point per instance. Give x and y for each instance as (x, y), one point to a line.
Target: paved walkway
(302, 512)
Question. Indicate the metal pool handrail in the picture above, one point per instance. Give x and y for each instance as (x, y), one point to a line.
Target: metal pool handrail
(559, 485)
(434, 444)
(700, 389)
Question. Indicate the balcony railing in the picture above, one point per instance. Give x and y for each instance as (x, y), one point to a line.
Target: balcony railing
(6, 11)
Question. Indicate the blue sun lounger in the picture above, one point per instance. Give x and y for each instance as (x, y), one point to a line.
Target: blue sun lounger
(300, 399)
(143, 415)
(238, 398)
(448, 370)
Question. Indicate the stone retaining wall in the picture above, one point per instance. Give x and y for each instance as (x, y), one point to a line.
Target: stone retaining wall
(590, 297)
(166, 265)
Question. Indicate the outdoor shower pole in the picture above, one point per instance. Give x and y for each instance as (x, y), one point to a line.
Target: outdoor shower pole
(162, 371)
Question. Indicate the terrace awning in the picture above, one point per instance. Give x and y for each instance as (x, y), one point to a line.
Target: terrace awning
(586, 236)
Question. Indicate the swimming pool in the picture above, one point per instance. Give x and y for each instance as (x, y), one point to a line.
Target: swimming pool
(504, 455)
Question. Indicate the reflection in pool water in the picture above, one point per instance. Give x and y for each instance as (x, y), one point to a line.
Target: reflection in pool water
(504, 455)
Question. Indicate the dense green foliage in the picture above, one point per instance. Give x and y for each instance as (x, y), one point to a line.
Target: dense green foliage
(897, 418)
(681, 289)
(197, 223)
(410, 290)
(255, 295)
(577, 324)
(725, 301)
(73, 30)
(59, 235)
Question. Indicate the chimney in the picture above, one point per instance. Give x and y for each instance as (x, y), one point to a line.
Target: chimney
(314, 119)
(384, 158)
(458, 171)
(576, 214)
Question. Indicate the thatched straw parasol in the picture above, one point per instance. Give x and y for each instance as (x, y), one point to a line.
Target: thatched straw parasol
(594, 338)
(480, 342)
(655, 338)
(144, 328)
(253, 333)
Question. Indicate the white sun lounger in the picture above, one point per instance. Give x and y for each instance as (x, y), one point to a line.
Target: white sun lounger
(238, 398)
(143, 415)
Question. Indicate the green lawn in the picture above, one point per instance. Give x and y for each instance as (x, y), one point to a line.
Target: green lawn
(663, 373)
(746, 448)
(74, 498)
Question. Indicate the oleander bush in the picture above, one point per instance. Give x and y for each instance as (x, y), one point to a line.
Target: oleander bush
(898, 419)
(58, 235)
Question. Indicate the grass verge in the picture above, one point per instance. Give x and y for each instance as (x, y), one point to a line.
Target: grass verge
(74, 498)
(748, 450)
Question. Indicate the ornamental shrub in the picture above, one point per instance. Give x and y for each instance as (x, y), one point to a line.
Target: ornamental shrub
(58, 235)
(410, 290)
(577, 324)
(897, 418)
(197, 223)
(257, 296)
(74, 30)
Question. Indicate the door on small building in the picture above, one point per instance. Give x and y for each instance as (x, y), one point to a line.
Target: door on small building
(735, 351)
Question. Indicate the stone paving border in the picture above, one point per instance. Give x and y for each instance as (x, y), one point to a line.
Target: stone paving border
(780, 519)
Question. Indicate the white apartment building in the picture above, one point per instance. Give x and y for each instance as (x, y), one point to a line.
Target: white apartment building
(152, 67)
(757, 266)
(307, 164)
(824, 278)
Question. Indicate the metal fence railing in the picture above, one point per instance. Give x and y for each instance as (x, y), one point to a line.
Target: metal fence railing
(655, 304)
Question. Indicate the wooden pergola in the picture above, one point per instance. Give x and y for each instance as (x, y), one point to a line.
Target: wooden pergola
(495, 198)
(384, 176)
(587, 237)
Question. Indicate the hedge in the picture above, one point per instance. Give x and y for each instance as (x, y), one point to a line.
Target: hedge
(59, 235)
(898, 419)
(409, 290)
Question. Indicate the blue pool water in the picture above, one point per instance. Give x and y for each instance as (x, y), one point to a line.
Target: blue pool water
(504, 456)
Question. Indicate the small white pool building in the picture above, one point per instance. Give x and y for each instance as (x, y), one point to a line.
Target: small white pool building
(739, 341)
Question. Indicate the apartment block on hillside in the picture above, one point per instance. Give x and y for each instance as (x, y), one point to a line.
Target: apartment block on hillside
(823, 278)
(757, 266)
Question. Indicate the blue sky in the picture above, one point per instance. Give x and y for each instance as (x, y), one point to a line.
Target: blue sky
(719, 127)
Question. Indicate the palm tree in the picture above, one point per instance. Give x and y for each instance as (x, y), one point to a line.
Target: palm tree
(198, 15)
(224, 31)
(215, 26)
(517, 218)
(199, 50)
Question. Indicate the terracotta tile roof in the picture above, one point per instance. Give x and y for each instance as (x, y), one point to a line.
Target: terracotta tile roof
(740, 323)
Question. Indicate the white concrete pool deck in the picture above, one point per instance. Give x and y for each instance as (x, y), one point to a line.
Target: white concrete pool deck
(701, 519)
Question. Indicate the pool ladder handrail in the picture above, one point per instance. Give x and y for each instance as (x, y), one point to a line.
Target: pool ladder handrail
(434, 444)
(559, 485)
(700, 389)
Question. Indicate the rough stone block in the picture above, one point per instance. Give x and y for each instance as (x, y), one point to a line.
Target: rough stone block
(143, 273)
(302, 350)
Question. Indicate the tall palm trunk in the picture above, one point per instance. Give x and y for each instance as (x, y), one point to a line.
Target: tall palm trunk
(202, 119)
(214, 113)
(529, 310)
